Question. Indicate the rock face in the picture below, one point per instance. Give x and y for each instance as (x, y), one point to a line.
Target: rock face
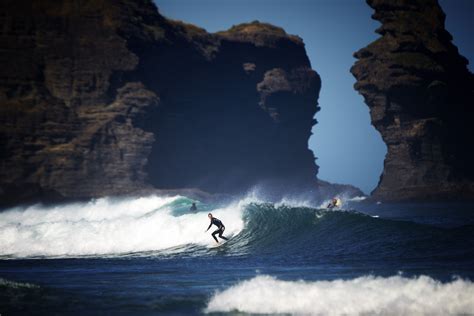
(109, 97)
(421, 97)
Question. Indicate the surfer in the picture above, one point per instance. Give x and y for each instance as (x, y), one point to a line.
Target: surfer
(220, 227)
(335, 202)
(193, 208)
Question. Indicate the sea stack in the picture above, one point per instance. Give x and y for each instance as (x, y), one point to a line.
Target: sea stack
(109, 97)
(421, 99)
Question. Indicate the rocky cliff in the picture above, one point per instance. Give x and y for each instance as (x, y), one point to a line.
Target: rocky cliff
(421, 97)
(107, 97)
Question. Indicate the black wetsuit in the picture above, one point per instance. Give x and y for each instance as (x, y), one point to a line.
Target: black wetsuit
(332, 205)
(220, 228)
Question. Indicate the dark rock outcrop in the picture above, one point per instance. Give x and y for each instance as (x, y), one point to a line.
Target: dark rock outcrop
(109, 97)
(421, 97)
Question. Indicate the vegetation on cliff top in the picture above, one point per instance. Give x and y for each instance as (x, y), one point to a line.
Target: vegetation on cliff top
(259, 31)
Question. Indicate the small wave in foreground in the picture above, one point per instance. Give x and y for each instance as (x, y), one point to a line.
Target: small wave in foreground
(366, 295)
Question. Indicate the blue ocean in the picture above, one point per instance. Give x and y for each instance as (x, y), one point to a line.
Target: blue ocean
(152, 256)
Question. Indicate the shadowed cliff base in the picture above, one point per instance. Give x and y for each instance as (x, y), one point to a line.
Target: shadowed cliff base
(110, 98)
(420, 94)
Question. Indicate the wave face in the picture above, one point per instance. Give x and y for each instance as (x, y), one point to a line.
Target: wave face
(366, 295)
(115, 227)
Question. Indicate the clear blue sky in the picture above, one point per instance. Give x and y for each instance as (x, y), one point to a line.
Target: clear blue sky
(348, 148)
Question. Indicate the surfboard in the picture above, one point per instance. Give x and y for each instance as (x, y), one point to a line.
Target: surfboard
(221, 242)
(219, 245)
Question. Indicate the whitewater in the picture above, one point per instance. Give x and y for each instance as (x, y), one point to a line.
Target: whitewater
(394, 295)
(108, 227)
(149, 255)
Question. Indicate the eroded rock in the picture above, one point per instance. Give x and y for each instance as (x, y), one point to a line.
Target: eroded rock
(421, 97)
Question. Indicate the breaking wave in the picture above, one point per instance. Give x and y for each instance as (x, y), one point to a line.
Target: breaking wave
(366, 295)
(164, 225)
(108, 226)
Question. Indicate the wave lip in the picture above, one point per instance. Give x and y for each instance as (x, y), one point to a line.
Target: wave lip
(371, 295)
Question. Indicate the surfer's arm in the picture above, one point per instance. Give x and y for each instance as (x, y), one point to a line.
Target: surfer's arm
(209, 226)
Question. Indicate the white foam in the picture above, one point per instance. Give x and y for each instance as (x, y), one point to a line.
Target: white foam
(292, 202)
(107, 226)
(255, 195)
(366, 295)
(357, 198)
(17, 285)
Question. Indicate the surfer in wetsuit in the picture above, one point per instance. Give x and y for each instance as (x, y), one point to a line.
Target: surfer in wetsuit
(334, 203)
(193, 208)
(220, 227)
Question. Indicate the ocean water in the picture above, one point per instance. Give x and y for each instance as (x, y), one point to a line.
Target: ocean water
(151, 255)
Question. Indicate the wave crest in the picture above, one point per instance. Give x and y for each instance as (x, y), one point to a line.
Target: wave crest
(394, 295)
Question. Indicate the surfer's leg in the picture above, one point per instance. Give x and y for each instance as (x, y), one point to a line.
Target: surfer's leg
(220, 234)
(214, 235)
